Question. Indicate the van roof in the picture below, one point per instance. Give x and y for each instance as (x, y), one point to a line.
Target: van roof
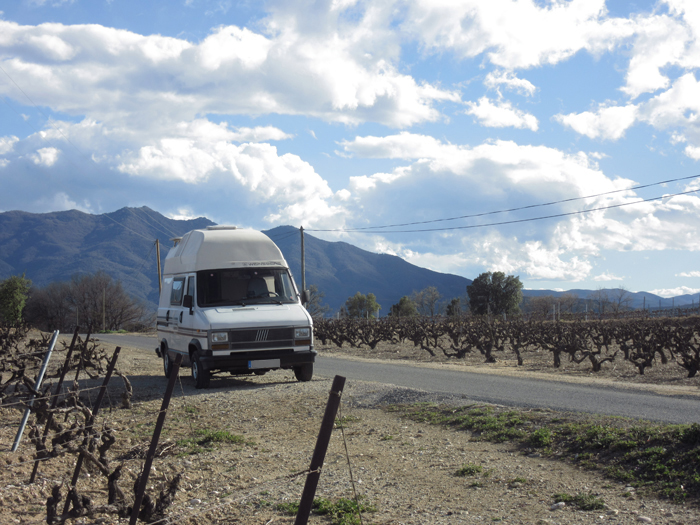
(228, 247)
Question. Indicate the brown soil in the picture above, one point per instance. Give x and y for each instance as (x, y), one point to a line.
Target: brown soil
(406, 470)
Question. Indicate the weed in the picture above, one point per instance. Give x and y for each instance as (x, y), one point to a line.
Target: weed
(340, 512)
(346, 420)
(661, 458)
(205, 438)
(469, 470)
(540, 438)
(581, 501)
(291, 508)
(388, 437)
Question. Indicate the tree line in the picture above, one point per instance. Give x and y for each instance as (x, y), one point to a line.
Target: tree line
(491, 293)
(92, 301)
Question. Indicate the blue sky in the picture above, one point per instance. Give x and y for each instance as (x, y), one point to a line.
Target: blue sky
(344, 115)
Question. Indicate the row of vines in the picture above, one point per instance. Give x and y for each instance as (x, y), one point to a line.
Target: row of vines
(642, 342)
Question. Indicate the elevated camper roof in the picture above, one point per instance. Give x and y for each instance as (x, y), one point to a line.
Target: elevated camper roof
(222, 247)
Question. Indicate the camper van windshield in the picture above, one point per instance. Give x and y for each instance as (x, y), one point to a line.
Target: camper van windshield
(244, 286)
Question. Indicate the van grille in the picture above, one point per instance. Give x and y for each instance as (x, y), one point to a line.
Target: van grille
(261, 338)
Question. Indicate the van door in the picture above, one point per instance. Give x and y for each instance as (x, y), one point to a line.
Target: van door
(188, 326)
(174, 313)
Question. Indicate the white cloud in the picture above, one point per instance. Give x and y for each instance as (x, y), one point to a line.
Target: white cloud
(693, 273)
(606, 122)
(516, 34)
(674, 292)
(558, 249)
(496, 79)
(259, 134)
(286, 182)
(183, 213)
(116, 76)
(45, 157)
(7, 144)
(4, 162)
(501, 114)
(607, 277)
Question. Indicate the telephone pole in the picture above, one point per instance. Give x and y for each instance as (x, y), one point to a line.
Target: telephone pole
(160, 280)
(303, 261)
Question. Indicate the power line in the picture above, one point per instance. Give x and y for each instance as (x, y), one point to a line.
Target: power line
(530, 206)
(473, 226)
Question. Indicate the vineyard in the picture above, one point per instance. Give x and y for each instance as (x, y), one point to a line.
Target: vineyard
(641, 342)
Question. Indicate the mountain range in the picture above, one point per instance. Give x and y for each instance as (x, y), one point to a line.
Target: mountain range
(54, 246)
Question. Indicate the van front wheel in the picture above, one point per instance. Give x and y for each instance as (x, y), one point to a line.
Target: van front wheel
(304, 372)
(201, 377)
(167, 364)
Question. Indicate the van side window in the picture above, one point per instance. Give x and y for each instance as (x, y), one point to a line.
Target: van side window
(190, 287)
(178, 288)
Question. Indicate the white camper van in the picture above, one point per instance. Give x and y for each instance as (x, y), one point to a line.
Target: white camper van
(229, 304)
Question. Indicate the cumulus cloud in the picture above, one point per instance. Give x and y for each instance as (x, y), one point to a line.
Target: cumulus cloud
(607, 277)
(674, 292)
(7, 144)
(605, 123)
(551, 249)
(693, 273)
(507, 79)
(86, 69)
(295, 191)
(516, 34)
(45, 157)
(259, 134)
(501, 114)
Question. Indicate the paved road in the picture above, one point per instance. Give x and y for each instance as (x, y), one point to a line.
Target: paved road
(508, 391)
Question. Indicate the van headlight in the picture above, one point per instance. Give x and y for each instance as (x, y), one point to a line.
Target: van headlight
(302, 333)
(219, 337)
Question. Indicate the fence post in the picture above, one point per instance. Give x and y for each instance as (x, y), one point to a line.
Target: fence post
(37, 386)
(324, 436)
(143, 480)
(54, 401)
(89, 423)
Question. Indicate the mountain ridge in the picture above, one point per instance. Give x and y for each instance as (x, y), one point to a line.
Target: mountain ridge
(55, 246)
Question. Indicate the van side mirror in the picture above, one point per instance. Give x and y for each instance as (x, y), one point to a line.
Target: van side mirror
(187, 302)
(305, 297)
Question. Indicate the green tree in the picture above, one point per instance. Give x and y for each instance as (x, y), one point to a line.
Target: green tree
(361, 306)
(314, 306)
(13, 296)
(495, 293)
(454, 309)
(404, 308)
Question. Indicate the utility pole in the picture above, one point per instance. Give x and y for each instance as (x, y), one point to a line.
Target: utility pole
(160, 279)
(303, 261)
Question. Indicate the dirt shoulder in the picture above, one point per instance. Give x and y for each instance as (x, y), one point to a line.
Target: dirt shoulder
(406, 470)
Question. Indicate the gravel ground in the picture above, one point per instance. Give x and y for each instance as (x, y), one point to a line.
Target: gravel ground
(405, 470)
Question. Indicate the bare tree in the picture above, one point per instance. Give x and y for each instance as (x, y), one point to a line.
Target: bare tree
(86, 300)
(541, 306)
(601, 300)
(620, 300)
(427, 301)
(568, 302)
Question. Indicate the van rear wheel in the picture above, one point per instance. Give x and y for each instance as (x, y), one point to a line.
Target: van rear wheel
(201, 377)
(304, 372)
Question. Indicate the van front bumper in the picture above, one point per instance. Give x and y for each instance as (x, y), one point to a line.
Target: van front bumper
(246, 362)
